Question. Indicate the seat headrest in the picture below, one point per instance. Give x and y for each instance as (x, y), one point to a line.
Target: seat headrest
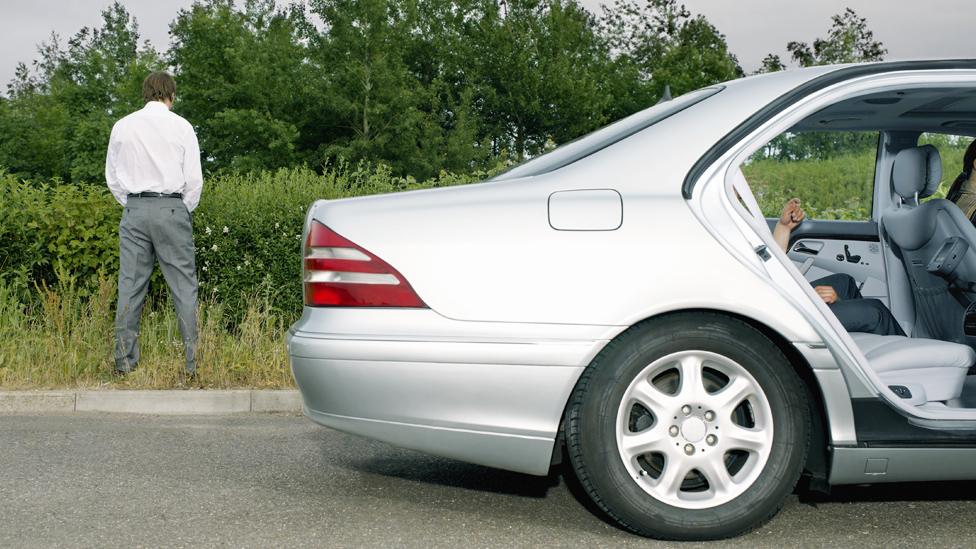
(917, 170)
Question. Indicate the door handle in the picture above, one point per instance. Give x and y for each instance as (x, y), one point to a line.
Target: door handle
(812, 248)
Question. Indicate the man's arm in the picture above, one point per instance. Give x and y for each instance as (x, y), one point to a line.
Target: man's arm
(192, 172)
(781, 234)
(111, 179)
(791, 217)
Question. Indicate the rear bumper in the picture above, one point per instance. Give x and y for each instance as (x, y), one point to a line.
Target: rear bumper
(490, 399)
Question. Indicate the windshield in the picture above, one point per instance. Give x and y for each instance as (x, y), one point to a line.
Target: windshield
(592, 142)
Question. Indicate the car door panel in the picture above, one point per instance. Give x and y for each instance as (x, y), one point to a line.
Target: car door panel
(821, 248)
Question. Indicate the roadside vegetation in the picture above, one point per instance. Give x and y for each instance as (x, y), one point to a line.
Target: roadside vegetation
(60, 260)
(834, 181)
(57, 287)
(319, 100)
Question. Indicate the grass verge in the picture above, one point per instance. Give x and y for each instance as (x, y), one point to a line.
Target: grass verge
(65, 340)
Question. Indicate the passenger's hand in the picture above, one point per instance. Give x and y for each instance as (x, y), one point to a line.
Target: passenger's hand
(792, 214)
(826, 293)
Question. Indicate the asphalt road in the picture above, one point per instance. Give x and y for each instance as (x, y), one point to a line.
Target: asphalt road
(264, 480)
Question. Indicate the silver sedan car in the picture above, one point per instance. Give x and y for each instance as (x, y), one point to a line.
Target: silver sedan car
(619, 306)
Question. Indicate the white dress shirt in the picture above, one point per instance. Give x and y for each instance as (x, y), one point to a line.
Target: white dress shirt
(154, 150)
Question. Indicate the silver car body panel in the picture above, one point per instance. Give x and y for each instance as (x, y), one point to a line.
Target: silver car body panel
(519, 306)
(877, 465)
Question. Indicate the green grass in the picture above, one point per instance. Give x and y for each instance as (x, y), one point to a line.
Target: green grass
(65, 340)
(836, 188)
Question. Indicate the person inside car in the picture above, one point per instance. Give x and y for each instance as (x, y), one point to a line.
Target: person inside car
(963, 190)
(839, 291)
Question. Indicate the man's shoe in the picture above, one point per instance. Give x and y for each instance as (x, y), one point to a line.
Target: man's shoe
(188, 378)
(120, 373)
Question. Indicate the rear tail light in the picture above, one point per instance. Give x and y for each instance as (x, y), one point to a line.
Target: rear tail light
(339, 273)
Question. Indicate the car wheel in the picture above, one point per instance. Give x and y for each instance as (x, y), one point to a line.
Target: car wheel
(692, 426)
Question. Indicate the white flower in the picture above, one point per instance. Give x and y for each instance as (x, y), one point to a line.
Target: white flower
(208, 230)
(247, 263)
(238, 267)
(213, 248)
(277, 225)
(204, 268)
(298, 237)
(226, 230)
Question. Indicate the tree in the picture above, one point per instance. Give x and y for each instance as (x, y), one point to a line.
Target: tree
(60, 113)
(371, 99)
(771, 63)
(848, 41)
(421, 85)
(34, 133)
(244, 81)
(658, 43)
(539, 69)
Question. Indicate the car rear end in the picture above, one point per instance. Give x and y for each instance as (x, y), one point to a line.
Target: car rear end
(372, 357)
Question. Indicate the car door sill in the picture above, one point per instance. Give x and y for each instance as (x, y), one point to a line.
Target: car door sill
(870, 465)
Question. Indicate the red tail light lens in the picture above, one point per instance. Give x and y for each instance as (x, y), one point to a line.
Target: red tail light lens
(339, 273)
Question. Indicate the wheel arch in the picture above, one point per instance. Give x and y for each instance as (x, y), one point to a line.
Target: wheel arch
(816, 468)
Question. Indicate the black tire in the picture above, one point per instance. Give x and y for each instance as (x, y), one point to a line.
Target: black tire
(592, 410)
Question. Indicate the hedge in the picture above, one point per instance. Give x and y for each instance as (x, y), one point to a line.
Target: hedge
(247, 231)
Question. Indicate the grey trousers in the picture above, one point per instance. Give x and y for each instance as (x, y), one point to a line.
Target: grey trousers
(856, 313)
(151, 229)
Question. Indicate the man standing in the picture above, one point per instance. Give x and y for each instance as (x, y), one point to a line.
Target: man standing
(153, 170)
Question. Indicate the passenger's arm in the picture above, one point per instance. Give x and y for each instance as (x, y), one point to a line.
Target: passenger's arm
(791, 216)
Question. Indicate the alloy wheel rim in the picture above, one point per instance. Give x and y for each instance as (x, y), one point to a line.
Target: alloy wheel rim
(694, 429)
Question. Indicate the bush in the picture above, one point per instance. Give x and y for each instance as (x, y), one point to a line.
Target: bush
(247, 231)
(839, 187)
(44, 226)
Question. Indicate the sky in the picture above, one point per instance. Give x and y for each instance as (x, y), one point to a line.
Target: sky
(753, 28)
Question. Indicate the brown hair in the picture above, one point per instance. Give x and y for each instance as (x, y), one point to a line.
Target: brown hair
(969, 158)
(967, 169)
(158, 86)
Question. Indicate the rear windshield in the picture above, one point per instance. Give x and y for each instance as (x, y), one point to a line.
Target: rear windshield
(602, 138)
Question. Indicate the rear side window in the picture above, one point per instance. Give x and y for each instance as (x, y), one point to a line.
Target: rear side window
(604, 137)
(832, 173)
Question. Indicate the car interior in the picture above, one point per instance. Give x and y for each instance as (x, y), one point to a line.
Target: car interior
(916, 253)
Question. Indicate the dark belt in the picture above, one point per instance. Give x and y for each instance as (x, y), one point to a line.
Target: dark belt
(156, 195)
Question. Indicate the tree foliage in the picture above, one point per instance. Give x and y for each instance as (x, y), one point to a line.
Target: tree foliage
(849, 40)
(771, 63)
(424, 86)
(61, 108)
(658, 44)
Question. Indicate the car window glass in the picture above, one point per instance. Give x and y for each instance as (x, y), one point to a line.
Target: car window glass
(832, 173)
(951, 149)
